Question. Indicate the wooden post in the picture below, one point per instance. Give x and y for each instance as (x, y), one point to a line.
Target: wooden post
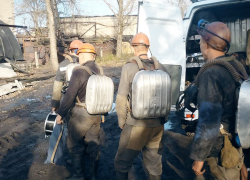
(36, 56)
(47, 54)
(101, 53)
(95, 29)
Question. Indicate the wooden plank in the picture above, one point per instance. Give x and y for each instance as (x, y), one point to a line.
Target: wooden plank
(37, 79)
(7, 88)
(30, 79)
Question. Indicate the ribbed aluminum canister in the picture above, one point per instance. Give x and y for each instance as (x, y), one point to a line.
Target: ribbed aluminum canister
(151, 94)
(99, 94)
(243, 115)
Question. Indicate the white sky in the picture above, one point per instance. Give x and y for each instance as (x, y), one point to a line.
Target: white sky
(90, 8)
(99, 8)
(95, 8)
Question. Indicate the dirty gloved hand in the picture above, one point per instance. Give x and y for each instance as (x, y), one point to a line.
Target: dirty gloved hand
(59, 119)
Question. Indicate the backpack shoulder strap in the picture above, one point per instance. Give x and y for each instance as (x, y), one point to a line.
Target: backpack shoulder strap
(86, 68)
(138, 62)
(140, 65)
(100, 69)
(156, 62)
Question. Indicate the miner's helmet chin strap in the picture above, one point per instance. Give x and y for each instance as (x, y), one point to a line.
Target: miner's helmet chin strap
(202, 25)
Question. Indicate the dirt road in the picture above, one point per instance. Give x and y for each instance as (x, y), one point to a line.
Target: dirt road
(23, 146)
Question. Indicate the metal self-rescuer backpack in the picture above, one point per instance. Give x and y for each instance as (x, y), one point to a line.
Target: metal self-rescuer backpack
(69, 70)
(243, 115)
(242, 99)
(151, 92)
(99, 92)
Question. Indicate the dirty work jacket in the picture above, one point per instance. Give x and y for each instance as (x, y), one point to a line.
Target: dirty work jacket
(60, 80)
(124, 92)
(216, 106)
(77, 87)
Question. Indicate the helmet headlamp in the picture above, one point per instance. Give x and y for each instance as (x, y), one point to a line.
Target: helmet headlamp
(202, 26)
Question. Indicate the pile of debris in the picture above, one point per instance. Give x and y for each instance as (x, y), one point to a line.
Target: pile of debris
(11, 81)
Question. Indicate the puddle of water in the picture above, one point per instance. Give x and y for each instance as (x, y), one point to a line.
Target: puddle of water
(32, 100)
(48, 97)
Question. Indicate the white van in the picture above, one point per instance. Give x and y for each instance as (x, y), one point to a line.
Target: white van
(174, 40)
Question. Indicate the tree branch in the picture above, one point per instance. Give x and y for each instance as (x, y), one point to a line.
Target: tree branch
(111, 7)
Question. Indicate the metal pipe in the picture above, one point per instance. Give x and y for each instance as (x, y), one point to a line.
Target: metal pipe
(15, 66)
(7, 25)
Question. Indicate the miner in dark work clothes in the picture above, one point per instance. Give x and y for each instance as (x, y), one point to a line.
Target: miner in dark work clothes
(83, 128)
(216, 105)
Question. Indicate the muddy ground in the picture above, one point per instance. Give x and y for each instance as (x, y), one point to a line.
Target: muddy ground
(23, 146)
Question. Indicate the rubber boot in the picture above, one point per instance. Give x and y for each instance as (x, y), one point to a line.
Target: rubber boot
(121, 175)
(78, 167)
(152, 177)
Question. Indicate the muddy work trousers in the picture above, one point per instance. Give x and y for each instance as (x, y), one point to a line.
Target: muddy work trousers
(83, 137)
(134, 140)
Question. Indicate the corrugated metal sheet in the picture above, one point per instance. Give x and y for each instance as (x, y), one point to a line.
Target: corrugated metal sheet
(237, 18)
(235, 15)
(238, 29)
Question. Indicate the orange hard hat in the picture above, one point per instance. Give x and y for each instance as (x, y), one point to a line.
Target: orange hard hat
(75, 44)
(86, 48)
(216, 34)
(140, 39)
